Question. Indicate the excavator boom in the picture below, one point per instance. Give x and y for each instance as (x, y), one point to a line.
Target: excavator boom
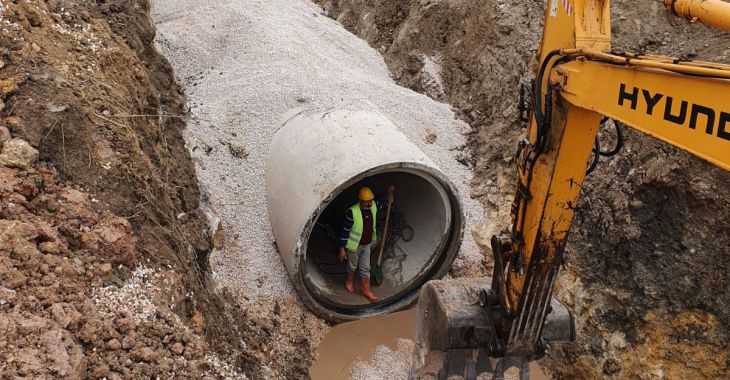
(579, 83)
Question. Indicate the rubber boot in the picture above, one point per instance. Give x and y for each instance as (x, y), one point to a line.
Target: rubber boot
(365, 282)
(348, 283)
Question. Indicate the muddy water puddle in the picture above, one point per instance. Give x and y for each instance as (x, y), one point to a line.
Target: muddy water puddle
(348, 343)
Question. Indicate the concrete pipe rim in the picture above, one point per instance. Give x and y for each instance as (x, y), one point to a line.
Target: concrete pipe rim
(437, 267)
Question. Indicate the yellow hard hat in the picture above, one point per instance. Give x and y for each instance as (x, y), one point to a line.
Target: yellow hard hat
(365, 194)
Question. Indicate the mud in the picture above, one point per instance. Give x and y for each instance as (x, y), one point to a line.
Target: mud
(349, 343)
(647, 261)
(379, 347)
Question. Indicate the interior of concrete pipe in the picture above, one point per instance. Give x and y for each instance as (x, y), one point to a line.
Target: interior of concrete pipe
(424, 232)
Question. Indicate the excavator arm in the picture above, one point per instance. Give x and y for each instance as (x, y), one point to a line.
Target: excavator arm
(579, 81)
(688, 110)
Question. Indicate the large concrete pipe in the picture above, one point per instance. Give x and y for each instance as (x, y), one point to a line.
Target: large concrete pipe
(316, 165)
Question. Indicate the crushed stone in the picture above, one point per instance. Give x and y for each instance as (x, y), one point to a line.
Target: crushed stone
(386, 363)
(243, 65)
(132, 297)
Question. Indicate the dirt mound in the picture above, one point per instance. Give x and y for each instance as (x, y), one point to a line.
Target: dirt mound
(103, 246)
(648, 263)
(70, 305)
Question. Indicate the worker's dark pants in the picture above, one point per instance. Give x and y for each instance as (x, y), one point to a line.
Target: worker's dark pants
(360, 260)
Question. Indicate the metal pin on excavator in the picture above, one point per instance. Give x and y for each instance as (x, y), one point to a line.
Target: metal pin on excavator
(579, 83)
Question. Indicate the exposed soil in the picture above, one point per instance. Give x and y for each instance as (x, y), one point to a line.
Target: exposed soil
(103, 244)
(648, 261)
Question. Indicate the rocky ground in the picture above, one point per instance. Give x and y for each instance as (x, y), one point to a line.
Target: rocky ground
(103, 244)
(647, 261)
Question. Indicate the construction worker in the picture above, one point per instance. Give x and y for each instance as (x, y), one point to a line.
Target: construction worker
(358, 235)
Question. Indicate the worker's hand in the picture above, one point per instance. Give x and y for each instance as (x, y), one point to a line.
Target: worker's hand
(391, 189)
(342, 254)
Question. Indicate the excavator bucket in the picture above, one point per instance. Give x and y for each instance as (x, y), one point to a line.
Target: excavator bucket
(456, 334)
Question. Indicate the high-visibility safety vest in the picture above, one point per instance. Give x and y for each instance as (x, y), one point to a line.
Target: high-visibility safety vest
(357, 223)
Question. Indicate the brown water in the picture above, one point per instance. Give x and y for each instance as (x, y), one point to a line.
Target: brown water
(349, 342)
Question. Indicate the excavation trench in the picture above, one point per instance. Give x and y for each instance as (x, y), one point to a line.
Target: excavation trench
(316, 165)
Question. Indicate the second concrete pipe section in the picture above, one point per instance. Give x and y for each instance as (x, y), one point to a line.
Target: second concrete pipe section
(317, 163)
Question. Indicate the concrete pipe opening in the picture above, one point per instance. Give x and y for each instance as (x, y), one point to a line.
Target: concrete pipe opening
(317, 163)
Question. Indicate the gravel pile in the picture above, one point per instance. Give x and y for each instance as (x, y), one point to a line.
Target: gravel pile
(245, 64)
(386, 363)
(133, 297)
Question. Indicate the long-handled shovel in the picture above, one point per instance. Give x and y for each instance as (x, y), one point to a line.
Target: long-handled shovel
(378, 268)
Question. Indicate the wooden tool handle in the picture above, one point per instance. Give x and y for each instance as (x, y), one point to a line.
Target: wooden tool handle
(385, 234)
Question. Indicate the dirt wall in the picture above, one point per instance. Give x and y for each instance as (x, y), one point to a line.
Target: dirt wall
(103, 245)
(648, 261)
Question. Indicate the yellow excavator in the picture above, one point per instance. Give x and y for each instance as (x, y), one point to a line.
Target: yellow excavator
(579, 84)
